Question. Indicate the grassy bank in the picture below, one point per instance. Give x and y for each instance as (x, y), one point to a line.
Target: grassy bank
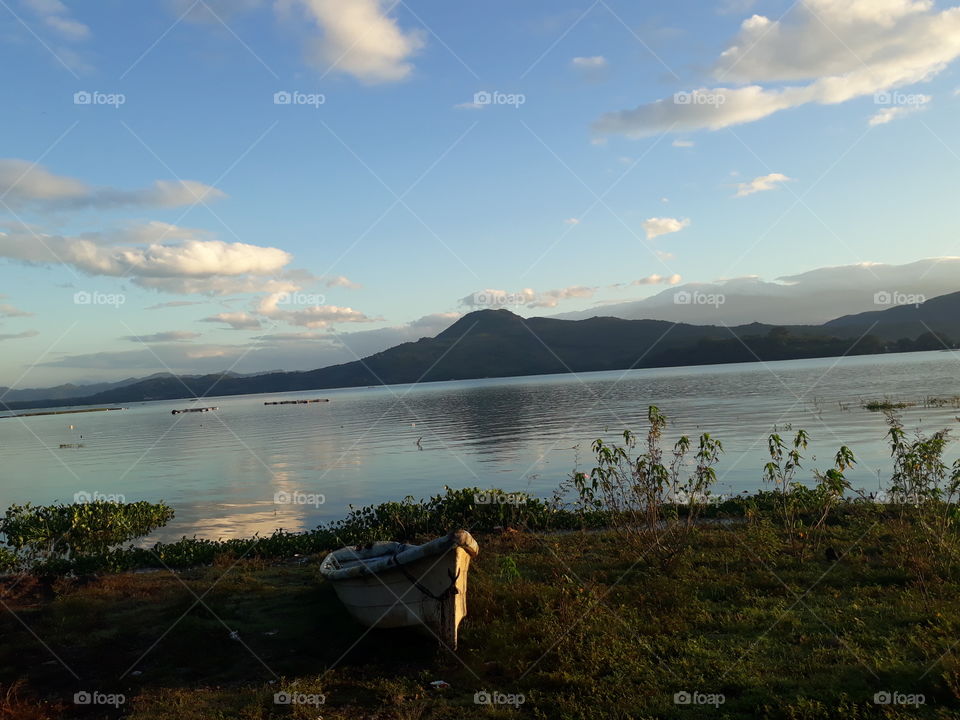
(570, 621)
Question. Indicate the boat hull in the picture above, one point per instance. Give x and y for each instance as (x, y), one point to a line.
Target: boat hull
(385, 591)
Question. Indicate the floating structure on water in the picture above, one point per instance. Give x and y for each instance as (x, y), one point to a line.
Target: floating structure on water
(297, 402)
(60, 412)
(71, 445)
(193, 410)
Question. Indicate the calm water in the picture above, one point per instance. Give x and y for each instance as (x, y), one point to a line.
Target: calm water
(221, 471)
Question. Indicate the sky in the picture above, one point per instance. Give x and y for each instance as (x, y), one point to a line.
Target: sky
(195, 186)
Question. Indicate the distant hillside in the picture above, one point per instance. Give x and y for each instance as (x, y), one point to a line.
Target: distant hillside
(497, 343)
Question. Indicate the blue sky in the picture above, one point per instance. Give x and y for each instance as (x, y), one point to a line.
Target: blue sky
(303, 234)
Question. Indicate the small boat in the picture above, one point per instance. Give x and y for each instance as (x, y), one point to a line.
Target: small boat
(390, 584)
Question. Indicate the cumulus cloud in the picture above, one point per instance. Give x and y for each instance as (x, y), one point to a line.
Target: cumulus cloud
(822, 51)
(236, 320)
(359, 38)
(655, 227)
(762, 184)
(186, 259)
(23, 182)
(162, 337)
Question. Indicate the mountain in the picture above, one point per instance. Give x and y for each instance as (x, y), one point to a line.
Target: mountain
(815, 296)
(497, 343)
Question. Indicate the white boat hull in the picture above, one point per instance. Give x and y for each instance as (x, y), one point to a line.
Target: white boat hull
(390, 585)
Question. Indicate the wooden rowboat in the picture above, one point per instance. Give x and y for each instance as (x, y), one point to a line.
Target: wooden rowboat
(390, 584)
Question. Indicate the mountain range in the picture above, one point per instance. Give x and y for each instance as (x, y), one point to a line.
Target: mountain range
(498, 343)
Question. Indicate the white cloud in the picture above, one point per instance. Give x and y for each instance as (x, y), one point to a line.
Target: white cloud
(888, 114)
(658, 280)
(341, 281)
(20, 335)
(56, 16)
(169, 336)
(655, 227)
(664, 255)
(572, 221)
(683, 143)
(840, 49)
(22, 182)
(236, 320)
(762, 184)
(359, 38)
(527, 297)
(589, 63)
(9, 311)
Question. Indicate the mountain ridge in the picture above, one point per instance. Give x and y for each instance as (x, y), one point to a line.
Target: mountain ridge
(498, 343)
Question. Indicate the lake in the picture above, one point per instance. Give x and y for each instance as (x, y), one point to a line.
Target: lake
(232, 472)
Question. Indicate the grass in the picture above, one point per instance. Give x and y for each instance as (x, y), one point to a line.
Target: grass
(569, 620)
